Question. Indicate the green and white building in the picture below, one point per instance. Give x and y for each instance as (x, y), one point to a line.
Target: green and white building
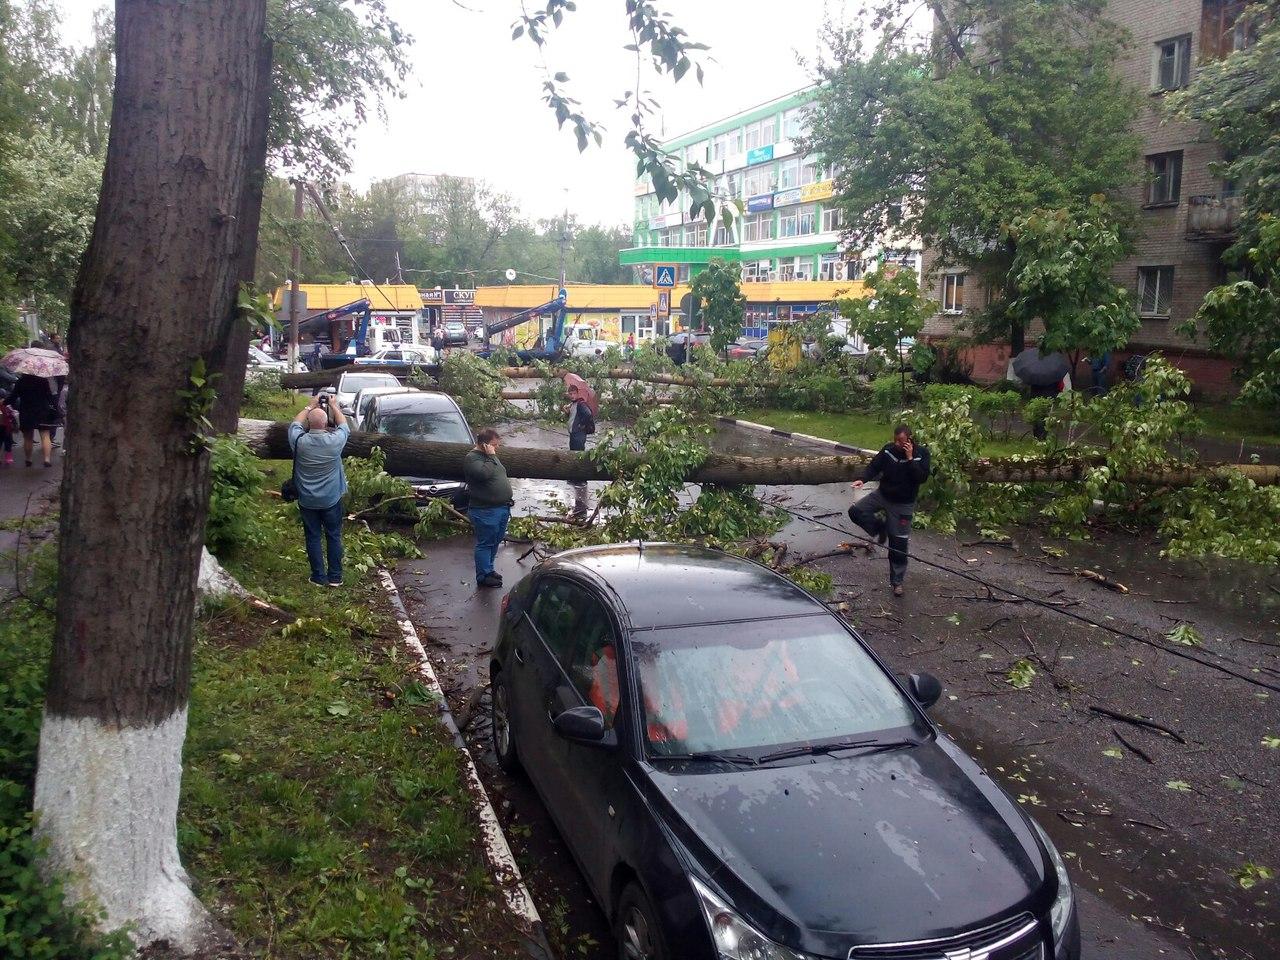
(789, 229)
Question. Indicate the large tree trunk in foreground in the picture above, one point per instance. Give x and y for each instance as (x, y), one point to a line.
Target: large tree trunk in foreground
(444, 462)
(156, 292)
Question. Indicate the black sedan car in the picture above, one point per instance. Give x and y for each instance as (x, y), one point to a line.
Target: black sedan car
(739, 776)
(421, 415)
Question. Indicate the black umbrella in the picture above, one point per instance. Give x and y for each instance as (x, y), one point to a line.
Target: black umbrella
(1037, 369)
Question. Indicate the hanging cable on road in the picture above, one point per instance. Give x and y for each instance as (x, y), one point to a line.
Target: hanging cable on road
(1037, 601)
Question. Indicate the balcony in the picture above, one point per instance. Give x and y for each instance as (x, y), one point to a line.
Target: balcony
(1212, 218)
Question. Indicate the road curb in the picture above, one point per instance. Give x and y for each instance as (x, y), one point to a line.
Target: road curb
(774, 431)
(497, 850)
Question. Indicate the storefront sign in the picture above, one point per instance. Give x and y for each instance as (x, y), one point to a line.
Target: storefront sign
(817, 191)
(756, 204)
(642, 187)
(430, 297)
(760, 154)
(665, 220)
(786, 197)
(459, 296)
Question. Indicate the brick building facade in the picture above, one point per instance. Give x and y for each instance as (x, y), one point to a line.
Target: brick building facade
(1186, 214)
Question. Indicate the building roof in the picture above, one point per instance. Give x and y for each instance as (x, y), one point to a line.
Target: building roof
(581, 296)
(384, 296)
(749, 115)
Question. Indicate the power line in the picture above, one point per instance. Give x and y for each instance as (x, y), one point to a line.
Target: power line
(342, 242)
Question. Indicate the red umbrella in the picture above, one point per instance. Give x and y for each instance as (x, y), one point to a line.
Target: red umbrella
(584, 391)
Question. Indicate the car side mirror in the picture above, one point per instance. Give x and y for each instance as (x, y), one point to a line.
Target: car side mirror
(926, 688)
(583, 724)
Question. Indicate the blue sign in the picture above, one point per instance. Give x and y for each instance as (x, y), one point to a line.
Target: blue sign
(665, 276)
(763, 202)
(760, 154)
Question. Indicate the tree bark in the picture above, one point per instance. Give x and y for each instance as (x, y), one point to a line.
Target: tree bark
(156, 292)
(444, 461)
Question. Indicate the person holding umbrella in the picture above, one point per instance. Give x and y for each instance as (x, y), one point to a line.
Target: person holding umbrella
(41, 373)
(583, 407)
(1045, 374)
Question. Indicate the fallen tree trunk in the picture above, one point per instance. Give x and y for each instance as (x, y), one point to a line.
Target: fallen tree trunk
(443, 461)
(327, 378)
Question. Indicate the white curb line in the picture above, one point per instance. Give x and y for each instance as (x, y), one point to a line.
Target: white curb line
(790, 435)
(498, 851)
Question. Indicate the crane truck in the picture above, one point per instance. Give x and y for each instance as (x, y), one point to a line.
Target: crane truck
(574, 339)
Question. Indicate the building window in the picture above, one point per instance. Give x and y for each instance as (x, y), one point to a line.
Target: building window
(697, 234)
(723, 236)
(1222, 32)
(795, 268)
(735, 186)
(735, 141)
(795, 123)
(682, 272)
(757, 227)
(810, 171)
(798, 222)
(953, 293)
(760, 181)
(719, 147)
(756, 271)
(760, 133)
(789, 174)
(832, 219)
(1172, 63)
(831, 267)
(1164, 171)
(1155, 291)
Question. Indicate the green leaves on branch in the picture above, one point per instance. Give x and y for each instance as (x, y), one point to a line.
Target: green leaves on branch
(718, 290)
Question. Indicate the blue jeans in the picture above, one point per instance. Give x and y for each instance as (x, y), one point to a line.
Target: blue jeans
(323, 528)
(490, 525)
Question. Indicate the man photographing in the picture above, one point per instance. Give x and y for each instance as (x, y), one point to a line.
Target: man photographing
(316, 436)
(901, 466)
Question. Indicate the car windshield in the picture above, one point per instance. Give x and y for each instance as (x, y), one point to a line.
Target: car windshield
(442, 426)
(365, 400)
(761, 684)
(355, 382)
(258, 356)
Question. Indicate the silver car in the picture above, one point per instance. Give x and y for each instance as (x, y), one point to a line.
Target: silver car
(364, 402)
(423, 415)
(349, 384)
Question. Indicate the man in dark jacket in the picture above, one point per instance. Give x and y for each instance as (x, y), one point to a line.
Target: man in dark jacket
(900, 467)
(490, 500)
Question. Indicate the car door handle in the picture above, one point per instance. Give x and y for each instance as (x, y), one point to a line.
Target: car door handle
(515, 652)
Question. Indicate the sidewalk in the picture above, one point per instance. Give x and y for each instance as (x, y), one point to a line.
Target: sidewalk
(28, 491)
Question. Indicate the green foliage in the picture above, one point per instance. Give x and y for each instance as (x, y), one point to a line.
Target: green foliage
(1062, 275)
(1184, 634)
(718, 290)
(476, 385)
(834, 385)
(1227, 516)
(893, 312)
(235, 502)
(1022, 674)
(950, 140)
(1238, 99)
(34, 922)
(1241, 319)
(946, 426)
(197, 404)
(373, 491)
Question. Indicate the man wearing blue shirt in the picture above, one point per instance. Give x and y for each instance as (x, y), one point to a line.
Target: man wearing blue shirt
(321, 482)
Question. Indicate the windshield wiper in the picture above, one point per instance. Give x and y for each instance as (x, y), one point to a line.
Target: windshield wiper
(738, 758)
(813, 749)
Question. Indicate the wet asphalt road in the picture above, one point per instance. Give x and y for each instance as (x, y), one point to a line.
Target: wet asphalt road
(1121, 918)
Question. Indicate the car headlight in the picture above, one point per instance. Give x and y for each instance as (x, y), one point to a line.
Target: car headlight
(1061, 911)
(734, 938)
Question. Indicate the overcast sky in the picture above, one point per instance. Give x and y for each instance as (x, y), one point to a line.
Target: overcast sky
(472, 105)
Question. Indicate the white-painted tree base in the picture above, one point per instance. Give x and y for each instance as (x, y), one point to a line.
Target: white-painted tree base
(107, 802)
(214, 583)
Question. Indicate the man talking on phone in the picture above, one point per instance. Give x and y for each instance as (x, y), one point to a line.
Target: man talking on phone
(490, 500)
(316, 436)
(901, 466)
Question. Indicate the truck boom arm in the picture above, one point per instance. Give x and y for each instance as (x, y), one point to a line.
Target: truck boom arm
(555, 307)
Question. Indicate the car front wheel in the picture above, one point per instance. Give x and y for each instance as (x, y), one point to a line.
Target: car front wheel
(504, 735)
(636, 928)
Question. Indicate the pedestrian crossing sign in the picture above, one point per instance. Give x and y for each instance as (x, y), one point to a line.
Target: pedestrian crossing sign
(664, 276)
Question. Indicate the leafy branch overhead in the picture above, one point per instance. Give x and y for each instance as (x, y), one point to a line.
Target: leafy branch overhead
(668, 50)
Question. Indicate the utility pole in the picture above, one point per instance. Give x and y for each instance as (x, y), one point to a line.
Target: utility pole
(295, 267)
(564, 243)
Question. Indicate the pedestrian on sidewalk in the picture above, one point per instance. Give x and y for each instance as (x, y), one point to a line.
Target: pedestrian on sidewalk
(489, 503)
(37, 401)
(8, 425)
(582, 421)
(901, 467)
(316, 436)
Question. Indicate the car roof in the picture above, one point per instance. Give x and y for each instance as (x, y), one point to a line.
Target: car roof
(383, 391)
(369, 374)
(421, 401)
(677, 584)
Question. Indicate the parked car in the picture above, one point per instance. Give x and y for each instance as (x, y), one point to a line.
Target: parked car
(455, 334)
(739, 775)
(364, 401)
(260, 362)
(405, 354)
(744, 348)
(349, 384)
(422, 415)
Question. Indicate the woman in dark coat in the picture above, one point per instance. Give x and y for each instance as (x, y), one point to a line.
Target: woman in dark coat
(37, 401)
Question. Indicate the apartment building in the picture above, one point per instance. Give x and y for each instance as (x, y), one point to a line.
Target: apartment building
(788, 236)
(1187, 215)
